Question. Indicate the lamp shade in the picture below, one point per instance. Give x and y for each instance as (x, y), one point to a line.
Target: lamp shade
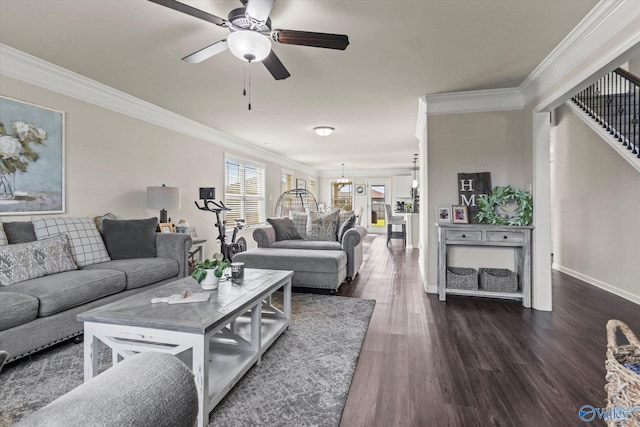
(163, 197)
(249, 45)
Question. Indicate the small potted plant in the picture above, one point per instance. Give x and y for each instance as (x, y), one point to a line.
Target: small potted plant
(209, 272)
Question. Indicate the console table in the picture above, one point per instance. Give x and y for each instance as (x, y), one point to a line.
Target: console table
(517, 237)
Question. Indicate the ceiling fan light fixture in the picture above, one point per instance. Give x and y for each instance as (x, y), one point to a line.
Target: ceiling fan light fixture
(249, 46)
(323, 130)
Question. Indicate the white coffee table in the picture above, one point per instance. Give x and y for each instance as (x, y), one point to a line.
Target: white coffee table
(226, 335)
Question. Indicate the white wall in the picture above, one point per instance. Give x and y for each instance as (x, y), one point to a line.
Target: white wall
(111, 158)
(596, 204)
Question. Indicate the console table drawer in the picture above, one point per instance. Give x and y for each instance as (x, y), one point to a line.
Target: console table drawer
(505, 236)
(463, 236)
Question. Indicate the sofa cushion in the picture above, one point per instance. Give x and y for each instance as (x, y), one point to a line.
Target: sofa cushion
(284, 228)
(85, 240)
(322, 225)
(131, 238)
(299, 220)
(307, 244)
(63, 291)
(24, 261)
(293, 259)
(16, 309)
(141, 271)
(349, 223)
(3, 236)
(19, 231)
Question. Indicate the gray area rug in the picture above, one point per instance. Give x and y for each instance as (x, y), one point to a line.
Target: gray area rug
(303, 380)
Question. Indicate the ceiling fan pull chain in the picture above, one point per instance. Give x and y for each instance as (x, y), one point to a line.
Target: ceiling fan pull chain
(244, 81)
(249, 86)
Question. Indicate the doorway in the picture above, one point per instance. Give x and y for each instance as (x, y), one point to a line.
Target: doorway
(378, 196)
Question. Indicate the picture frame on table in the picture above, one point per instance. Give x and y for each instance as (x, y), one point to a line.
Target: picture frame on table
(459, 214)
(166, 227)
(192, 231)
(443, 215)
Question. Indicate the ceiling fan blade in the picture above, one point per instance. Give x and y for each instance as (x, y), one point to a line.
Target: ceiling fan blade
(206, 52)
(259, 9)
(307, 38)
(275, 67)
(197, 13)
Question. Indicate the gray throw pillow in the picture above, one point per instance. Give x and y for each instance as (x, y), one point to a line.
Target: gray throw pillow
(284, 228)
(349, 223)
(130, 238)
(19, 232)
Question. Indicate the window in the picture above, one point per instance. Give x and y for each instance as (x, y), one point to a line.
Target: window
(244, 190)
(286, 180)
(342, 195)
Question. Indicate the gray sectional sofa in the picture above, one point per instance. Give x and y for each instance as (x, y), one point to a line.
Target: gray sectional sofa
(41, 311)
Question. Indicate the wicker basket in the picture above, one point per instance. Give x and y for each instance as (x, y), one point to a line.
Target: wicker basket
(623, 385)
(462, 278)
(498, 280)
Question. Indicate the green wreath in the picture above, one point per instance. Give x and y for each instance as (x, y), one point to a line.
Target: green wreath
(500, 195)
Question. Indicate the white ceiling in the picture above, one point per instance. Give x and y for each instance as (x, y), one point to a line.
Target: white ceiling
(399, 50)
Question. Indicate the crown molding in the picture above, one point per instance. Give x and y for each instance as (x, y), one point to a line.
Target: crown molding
(30, 69)
(366, 173)
(474, 101)
(601, 25)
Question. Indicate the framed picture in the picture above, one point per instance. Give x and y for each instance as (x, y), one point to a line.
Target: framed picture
(443, 215)
(32, 152)
(166, 227)
(460, 214)
(301, 183)
(361, 189)
(192, 231)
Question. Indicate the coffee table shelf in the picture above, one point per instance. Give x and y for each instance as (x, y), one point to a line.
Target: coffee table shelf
(219, 340)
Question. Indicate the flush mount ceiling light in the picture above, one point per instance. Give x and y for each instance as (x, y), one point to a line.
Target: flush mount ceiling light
(323, 130)
(249, 45)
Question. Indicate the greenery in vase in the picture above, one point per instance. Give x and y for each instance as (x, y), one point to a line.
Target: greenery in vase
(217, 264)
(502, 195)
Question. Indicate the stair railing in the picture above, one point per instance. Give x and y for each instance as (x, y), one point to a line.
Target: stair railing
(614, 102)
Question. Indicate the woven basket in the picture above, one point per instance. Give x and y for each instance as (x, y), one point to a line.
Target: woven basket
(462, 278)
(498, 280)
(623, 385)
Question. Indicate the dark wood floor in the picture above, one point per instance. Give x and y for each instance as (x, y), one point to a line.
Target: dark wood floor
(475, 361)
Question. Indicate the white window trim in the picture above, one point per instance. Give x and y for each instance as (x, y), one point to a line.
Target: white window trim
(248, 162)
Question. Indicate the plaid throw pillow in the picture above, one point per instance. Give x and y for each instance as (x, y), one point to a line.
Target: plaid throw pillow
(299, 220)
(86, 243)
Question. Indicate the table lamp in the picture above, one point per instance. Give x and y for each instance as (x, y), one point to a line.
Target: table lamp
(163, 198)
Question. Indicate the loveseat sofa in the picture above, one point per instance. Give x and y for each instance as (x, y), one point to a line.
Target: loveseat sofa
(323, 249)
(53, 269)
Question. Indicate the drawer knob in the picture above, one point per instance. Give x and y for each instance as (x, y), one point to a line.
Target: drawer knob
(505, 237)
(464, 236)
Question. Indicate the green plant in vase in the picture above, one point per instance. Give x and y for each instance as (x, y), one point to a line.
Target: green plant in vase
(209, 271)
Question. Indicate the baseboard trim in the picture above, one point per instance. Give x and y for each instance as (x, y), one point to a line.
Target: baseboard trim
(598, 283)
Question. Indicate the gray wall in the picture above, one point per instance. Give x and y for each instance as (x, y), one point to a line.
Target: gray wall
(596, 202)
(474, 142)
(111, 158)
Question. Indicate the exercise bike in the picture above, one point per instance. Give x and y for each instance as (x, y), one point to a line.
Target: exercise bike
(228, 250)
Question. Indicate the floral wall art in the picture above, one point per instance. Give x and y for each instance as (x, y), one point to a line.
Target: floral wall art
(31, 158)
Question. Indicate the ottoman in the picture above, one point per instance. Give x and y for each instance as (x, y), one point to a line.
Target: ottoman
(324, 269)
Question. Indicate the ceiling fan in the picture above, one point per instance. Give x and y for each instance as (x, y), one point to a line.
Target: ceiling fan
(251, 35)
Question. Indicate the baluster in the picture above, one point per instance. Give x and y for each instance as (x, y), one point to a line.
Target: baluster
(609, 103)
